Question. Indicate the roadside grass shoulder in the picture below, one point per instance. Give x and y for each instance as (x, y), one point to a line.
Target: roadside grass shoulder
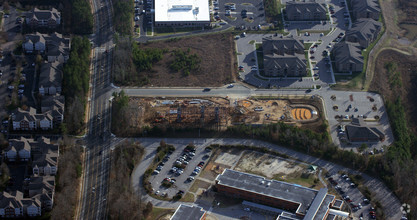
(157, 213)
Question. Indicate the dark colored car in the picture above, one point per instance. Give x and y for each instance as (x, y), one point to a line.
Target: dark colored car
(206, 90)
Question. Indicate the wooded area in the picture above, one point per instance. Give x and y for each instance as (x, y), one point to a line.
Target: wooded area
(81, 17)
(67, 180)
(76, 85)
(123, 16)
(123, 202)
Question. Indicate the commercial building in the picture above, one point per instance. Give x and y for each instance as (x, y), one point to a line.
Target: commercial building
(358, 131)
(283, 56)
(182, 13)
(185, 212)
(304, 202)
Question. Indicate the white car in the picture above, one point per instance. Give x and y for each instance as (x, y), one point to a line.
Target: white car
(254, 68)
(316, 68)
(230, 86)
(137, 18)
(21, 91)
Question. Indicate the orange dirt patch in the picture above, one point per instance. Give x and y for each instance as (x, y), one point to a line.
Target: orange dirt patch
(301, 114)
(246, 103)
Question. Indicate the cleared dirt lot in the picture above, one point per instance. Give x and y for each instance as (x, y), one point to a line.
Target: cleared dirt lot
(217, 53)
(406, 65)
(220, 113)
(267, 165)
(273, 167)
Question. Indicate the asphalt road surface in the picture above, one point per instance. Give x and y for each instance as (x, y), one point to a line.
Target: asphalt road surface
(98, 139)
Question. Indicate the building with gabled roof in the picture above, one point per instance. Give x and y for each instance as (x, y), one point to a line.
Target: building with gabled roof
(45, 163)
(34, 43)
(24, 120)
(283, 56)
(305, 11)
(18, 149)
(43, 18)
(50, 78)
(358, 131)
(348, 57)
(365, 9)
(55, 106)
(11, 205)
(364, 31)
(43, 188)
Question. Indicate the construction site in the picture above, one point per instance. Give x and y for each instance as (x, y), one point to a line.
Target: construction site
(219, 113)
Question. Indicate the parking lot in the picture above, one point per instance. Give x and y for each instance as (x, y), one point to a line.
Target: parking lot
(365, 105)
(178, 179)
(143, 17)
(247, 14)
(359, 205)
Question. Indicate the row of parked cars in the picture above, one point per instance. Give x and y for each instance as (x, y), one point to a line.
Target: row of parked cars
(355, 206)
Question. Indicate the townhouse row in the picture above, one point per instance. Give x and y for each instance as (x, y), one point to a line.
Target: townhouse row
(36, 193)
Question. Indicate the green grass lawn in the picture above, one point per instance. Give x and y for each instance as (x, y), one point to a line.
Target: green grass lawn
(188, 197)
(159, 212)
(307, 46)
(161, 31)
(149, 31)
(199, 184)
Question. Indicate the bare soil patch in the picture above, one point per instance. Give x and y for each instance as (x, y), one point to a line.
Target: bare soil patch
(273, 167)
(218, 61)
(217, 113)
(406, 65)
(266, 165)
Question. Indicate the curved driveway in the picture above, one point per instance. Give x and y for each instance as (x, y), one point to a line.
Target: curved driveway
(390, 203)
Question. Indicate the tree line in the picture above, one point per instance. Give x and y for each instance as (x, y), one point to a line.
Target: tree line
(76, 84)
(81, 17)
(123, 16)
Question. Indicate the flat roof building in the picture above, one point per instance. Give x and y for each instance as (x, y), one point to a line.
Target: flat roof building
(306, 203)
(185, 212)
(182, 13)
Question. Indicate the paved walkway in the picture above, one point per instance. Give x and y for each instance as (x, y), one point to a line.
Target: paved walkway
(390, 203)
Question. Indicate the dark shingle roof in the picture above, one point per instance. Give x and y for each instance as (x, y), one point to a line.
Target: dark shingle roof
(361, 133)
(366, 5)
(347, 52)
(304, 7)
(364, 28)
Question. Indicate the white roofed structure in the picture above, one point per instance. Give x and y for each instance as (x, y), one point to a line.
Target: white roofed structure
(182, 13)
